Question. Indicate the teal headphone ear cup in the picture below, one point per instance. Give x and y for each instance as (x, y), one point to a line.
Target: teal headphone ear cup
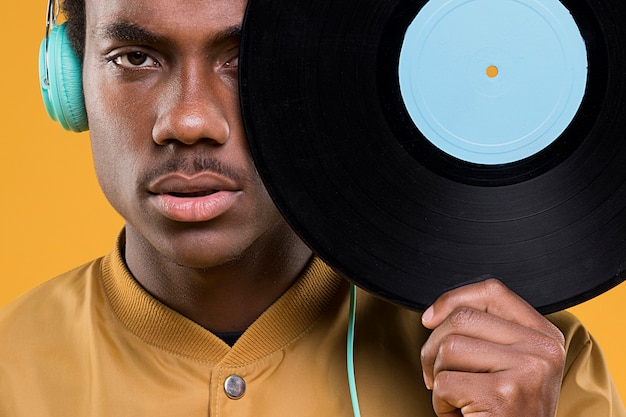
(62, 85)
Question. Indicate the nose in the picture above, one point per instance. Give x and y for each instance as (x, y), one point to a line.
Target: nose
(194, 107)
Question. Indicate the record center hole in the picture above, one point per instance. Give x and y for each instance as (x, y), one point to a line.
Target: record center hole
(492, 71)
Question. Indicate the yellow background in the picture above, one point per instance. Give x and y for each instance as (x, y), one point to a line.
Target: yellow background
(53, 216)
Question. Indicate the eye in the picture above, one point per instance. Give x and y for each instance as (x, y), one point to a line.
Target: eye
(232, 63)
(135, 59)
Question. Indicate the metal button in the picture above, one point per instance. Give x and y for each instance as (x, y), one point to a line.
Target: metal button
(235, 387)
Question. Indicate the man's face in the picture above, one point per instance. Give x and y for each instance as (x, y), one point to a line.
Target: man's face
(160, 81)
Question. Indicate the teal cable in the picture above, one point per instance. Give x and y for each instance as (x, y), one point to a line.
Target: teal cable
(351, 330)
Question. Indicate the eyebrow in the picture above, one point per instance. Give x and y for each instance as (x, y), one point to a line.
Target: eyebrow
(232, 32)
(127, 31)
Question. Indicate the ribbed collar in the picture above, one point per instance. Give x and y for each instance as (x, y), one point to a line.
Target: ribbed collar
(158, 325)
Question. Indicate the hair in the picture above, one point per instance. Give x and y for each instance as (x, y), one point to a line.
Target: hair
(74, 11)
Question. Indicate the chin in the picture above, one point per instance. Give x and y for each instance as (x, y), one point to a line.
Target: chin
(203, 255)
(205, 263)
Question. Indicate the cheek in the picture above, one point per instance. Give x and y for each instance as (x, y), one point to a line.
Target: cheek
(115, 154)
(116, 133)
(113, 169)
(113, 108)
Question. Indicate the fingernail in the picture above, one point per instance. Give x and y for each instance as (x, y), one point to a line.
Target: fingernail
(428, 315)
(427, 382)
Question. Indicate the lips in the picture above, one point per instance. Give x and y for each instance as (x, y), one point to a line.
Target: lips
(197, 198)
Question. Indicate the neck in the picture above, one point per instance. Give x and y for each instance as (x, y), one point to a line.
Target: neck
(226, 297)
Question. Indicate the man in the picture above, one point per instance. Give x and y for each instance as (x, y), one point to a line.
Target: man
(211, 305)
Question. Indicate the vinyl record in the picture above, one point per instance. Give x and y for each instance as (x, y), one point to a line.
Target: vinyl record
(417, 146)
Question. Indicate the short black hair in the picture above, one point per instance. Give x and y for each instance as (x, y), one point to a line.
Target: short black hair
(74, 11)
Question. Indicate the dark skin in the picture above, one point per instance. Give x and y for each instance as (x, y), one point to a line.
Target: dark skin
(202, 234)
(491, 354)
(164, 117)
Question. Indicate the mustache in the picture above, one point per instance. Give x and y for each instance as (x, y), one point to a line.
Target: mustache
(193, 165)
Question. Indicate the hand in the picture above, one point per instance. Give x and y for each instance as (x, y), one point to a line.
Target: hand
(491, 354)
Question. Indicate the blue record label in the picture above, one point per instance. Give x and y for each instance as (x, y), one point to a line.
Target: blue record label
(492, 81)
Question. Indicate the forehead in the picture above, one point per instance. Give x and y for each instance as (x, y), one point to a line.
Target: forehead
(186, 16)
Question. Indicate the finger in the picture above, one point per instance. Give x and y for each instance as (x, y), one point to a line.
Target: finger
(466, 354)
(466, 394)
(475, 341)
(492, 297)
(477, 324)
(494, 394)
(489, 295)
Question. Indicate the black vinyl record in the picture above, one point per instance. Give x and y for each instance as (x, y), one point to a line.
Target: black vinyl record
(505, 155)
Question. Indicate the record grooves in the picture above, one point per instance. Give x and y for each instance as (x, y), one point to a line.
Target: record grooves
(355, 176)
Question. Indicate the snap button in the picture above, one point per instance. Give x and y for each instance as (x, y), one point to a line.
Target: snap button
(235, 387)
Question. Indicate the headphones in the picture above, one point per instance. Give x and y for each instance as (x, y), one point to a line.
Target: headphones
(60, 75)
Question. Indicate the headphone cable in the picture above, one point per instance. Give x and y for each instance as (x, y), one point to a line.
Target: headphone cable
(350, 352)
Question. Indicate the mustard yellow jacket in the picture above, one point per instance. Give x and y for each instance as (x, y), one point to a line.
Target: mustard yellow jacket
(93, 343)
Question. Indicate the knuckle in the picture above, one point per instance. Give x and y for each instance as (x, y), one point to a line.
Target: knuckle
(558, 336)
(424, 354)
(427, 354)
(442, 381)
(555, 351)
(544, 364)
(449, 347)
(461, 317)
(505, 392)
(513, 394)
(493, 287)
(507, 395)
(550, 351)
(506, 400)
(535, 368)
